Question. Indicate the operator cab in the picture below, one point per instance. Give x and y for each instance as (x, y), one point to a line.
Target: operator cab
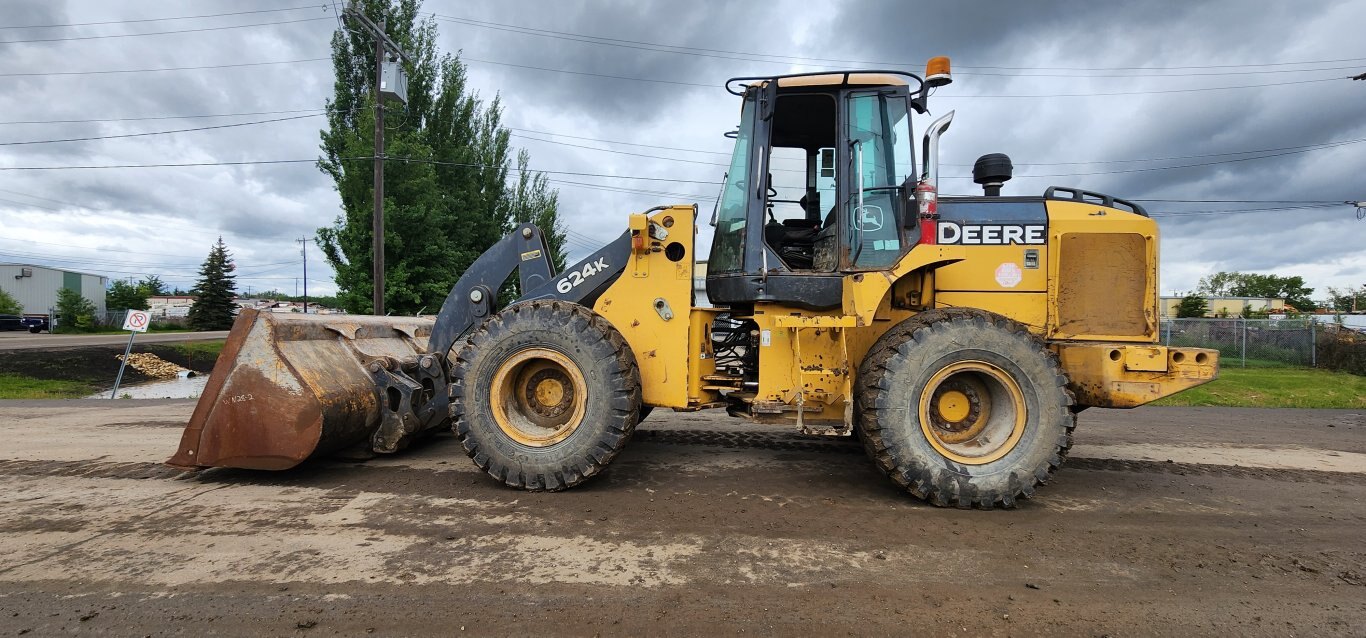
(820, 184)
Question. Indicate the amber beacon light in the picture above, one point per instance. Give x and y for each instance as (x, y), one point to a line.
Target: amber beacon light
(937, 72)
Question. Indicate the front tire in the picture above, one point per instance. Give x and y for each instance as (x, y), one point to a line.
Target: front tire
(964, 408)
(544, 395)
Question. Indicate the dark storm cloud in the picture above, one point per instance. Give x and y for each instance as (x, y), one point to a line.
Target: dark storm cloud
(261, 209)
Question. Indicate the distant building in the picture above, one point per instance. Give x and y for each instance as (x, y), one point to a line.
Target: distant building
(170, 305)
(36, 287)
(1229, 306)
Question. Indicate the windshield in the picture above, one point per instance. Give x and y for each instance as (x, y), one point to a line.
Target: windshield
(727, 248)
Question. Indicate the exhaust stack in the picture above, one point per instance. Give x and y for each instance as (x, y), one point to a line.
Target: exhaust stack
(927, 191)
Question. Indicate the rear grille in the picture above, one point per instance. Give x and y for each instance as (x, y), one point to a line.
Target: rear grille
(1103, 285)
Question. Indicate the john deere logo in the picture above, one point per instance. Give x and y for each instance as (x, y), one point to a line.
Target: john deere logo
(991, 234)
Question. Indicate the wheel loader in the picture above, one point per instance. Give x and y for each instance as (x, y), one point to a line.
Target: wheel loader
(956, 336)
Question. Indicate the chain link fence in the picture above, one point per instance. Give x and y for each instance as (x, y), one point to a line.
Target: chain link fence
(114, 319)
(1240, 341)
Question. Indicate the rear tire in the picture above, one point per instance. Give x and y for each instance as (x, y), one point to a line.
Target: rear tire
(964, 408)
(544, 395)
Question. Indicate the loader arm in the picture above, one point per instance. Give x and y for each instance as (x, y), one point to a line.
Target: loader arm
(473, 297)
(416, 388)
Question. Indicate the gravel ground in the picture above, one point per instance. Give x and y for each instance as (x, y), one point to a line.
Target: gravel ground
(1166, 521)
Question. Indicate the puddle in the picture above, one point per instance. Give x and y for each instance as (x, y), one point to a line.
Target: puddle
(189, 388)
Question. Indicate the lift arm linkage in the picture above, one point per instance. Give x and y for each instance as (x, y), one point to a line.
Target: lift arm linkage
(414, 393)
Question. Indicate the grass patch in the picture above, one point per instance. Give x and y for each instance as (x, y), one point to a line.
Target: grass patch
(1275, 387)
(200, 349)
(17, 386)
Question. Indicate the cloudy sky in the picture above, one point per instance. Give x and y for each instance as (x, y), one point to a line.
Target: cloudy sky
(1123, 98)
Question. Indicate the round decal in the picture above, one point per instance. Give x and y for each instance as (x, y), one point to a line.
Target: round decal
(1009, 275)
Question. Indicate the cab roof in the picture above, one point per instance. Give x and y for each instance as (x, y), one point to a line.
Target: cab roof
(835, 79)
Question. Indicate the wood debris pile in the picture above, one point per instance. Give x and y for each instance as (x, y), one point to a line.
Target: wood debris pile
(154, 366)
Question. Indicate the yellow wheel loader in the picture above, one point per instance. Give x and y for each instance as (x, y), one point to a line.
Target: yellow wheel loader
(957, 337)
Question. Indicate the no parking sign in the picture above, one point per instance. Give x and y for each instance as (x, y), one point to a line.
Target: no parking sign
(134, 322)
(137, 321)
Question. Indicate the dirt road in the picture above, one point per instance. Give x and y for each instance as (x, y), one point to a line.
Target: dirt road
(44, 341)
(1167, 521)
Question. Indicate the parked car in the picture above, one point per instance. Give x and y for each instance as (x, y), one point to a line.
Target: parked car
(11, 322)
(36, 324)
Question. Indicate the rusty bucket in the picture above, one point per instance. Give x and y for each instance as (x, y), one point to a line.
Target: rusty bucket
(290, 387)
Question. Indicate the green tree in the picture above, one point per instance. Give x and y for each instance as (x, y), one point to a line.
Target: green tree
(441, 211)
(532, 200)
(154, 286)
(214, 291)
(1241, 284)
(1192, 305)
(1347, 299)
(9, 305)
(125, 296)
(74, 312)
(1218, 284)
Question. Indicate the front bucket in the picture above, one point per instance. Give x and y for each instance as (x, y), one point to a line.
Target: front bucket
(288, 387)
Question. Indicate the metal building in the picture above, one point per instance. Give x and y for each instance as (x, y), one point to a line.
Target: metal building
(36, 287)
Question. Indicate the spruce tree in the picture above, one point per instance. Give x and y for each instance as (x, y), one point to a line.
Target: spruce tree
(443, 210)
(214, 292)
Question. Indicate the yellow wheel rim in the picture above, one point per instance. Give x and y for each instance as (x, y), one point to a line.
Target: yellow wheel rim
(538, 397)
(972, 412)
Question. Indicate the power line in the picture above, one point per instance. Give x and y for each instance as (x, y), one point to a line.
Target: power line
(168, 165)
(145, 134)
(115, 250)
(1275, 152)
(981, 95)
(160, 225)
(26, 204)
(415, 160)
(1199, 164)
(418, 160)
(207, 15)
(608, 150)
(787, 59)
(633, 191)
(1148, 75)
(160, 69)
(1079, 163)
(115, 262)
(1149, 92)
(1182, 157)
(163, 117)
(135, 35)
(1203, 213)
(1241, 201)
(597, 75)
(594, 139)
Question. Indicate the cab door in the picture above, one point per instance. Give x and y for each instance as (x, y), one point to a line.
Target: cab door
(876, 226)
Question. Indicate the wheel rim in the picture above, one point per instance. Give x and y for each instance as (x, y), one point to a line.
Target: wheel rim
(972, 412)
(539, 397)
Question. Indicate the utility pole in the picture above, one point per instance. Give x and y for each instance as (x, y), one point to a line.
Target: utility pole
(384, 46)
(303, 250)
(378, 219)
